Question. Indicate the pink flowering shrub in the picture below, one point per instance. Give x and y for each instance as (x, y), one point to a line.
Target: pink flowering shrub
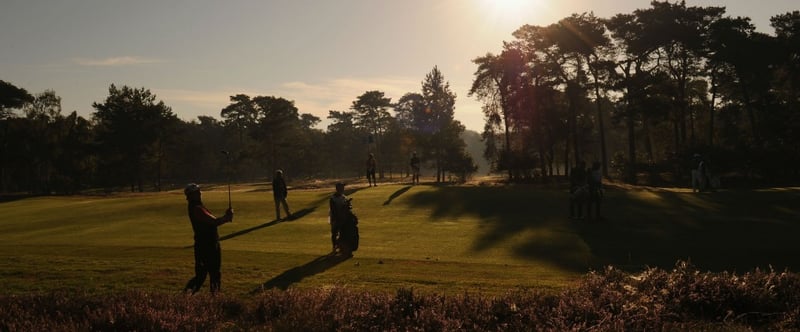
(655, 299)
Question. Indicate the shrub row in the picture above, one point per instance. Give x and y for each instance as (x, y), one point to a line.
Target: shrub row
(679, 299)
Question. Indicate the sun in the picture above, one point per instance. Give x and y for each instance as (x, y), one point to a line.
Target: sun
(509, 6)
(508, 9)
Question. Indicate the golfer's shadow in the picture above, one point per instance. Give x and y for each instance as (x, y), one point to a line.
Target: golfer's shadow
(396, 194)
(295, 216)
(296, 274)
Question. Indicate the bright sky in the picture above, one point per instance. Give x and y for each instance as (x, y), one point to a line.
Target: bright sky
(322, 54)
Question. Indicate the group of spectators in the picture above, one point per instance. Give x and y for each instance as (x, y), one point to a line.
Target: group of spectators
(372, 165)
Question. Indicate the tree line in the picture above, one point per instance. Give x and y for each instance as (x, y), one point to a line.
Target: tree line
(642, 92)
(135, 142)
(639, 92)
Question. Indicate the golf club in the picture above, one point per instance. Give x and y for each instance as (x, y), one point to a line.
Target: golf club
(228, 164)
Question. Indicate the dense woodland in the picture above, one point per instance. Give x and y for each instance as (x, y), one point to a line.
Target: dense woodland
(643, 92)
(639, 92)
(135, 142)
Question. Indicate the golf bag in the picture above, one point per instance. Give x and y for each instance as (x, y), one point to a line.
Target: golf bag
(348, 236)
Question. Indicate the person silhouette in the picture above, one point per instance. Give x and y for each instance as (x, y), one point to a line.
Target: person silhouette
(414, 168)
(207, 251)
(371, 166)
(279, 193)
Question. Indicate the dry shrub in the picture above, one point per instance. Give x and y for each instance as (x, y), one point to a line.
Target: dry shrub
(654, 299)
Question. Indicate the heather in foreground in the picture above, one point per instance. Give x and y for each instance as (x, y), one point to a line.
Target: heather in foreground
(683, 299)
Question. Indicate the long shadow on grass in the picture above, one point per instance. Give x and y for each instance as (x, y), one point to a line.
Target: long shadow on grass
(251, 229)
(716, 231)
(325, 197)
(297, 215)
(296, 274)
(396, 194)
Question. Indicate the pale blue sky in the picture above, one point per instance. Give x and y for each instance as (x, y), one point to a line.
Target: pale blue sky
(322, 54)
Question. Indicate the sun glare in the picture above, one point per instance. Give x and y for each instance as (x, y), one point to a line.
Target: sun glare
(510, 10)
(509, 7)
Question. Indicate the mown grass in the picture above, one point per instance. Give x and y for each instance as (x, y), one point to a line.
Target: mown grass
(434, 239)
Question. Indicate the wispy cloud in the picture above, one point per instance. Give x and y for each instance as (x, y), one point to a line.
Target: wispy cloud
(115, 61)
(338, 94)
(309, 97)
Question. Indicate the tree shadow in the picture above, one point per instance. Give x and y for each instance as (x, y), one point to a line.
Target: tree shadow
(5, 198)
(717, 231)
(723, 231)
(296, 274)
(396, 194)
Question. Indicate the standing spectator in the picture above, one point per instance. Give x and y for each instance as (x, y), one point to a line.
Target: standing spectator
(279, 192)
(414, 168)
(577, 190)
(207, 251)
(704, 174)
(371, 166)
(595, 184)
(696, 181)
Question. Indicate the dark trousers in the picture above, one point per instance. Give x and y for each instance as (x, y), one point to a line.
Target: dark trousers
(207, 261)
(595, 197)
(278, 202)
(576, 198)
(335, 229)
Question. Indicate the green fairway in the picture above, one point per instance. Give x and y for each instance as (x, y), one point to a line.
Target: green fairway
(447, 239)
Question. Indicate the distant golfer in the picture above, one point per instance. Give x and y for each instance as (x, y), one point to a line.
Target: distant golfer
(577, 190)
(207, 252)
(414, 168)
(279, 192)
(594, 181)
(371, 166)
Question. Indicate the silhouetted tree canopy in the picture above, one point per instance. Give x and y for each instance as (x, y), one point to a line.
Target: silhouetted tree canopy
(640, 92)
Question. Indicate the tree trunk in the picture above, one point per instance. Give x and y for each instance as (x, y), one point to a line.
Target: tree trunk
(751, 115)
(712, 107)
(601, 125)
(573, 121)
(566, 161)
(507, 150)
(675, 133)
(648, 142)
(631, 173)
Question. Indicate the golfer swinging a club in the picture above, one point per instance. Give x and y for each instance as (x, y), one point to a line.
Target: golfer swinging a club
(207, 252)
